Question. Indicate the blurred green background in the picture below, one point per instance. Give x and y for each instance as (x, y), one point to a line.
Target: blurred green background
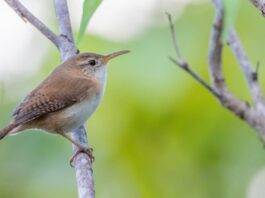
(157, 132)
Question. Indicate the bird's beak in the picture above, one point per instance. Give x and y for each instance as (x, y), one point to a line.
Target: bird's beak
(108, 57)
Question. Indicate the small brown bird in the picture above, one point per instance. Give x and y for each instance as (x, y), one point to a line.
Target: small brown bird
(65, 99)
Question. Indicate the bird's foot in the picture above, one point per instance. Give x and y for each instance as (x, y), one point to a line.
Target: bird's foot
(88, 151)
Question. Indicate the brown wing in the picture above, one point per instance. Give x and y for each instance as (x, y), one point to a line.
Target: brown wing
(54, 94)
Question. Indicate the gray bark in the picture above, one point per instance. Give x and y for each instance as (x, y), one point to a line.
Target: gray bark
(254, 115)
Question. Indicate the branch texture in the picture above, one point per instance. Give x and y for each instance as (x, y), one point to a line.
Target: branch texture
(215, 50)
(83, 165)
(260, 4)
(65, 43)
(250, 75)
(253, 115)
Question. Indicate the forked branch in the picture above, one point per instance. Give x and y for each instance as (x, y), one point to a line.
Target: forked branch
(251, 75)
(183, 64)
(253, 115)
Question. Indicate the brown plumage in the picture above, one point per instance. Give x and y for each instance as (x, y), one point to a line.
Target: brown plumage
(4, 132)
(65, 86)
(65, 99)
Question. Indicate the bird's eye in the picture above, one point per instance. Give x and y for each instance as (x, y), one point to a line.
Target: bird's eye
(92, 62)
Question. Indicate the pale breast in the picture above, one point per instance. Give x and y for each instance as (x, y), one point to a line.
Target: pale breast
(80, 112)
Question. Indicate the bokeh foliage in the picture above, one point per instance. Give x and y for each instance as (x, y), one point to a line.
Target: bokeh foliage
(157, 132)
(89, 7)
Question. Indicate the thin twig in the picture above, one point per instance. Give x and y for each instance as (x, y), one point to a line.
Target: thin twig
(26, 15)
(173, 33)
(185, 66)
(182, 63)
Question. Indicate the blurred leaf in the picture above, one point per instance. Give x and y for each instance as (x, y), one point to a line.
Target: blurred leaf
(89, 7)
(230, 13)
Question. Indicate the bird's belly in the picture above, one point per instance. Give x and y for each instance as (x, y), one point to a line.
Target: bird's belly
(76, 115)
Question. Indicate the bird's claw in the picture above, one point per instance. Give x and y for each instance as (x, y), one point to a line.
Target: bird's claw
(88, 151)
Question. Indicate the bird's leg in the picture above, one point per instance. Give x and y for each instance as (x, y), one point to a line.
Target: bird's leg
(87, 150)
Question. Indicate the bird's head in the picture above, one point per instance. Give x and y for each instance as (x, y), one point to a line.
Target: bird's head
(91, 62)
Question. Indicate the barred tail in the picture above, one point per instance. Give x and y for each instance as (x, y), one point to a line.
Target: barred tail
(6, 130)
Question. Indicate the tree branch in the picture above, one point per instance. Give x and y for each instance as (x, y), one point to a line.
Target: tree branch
(26, 15)
(65, 43)
(250, 75)
(83, 165)
(227, 99)
(215, 50)
(260, 4)
(182, 63)
(253, 116)
(185, 66)
(173, 33)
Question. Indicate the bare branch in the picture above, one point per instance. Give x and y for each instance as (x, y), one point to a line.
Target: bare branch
(182, 63)
(242, 109)
(67, 45)
(250, 74)
(26, 15)
(185, 66)
(83, 165)
(228, 100)
(260, 4)
(215, 49)
(173, 33)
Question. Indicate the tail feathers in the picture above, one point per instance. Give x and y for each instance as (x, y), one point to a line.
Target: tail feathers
(6, 130)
